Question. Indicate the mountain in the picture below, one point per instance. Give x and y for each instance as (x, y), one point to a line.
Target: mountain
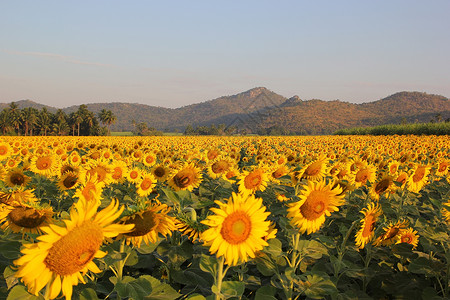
(260, 108)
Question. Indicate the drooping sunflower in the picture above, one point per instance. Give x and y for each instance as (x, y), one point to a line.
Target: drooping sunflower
(65, 253)
(442, 167)
(187, 177)
(277, 172)
(391, 234)
(418, 178)
(150, 222)
(366, 233)
(67, 181)
(46, 165)
(18, 196)
(409, 236)
(237, 228)
(253, 180)
(25, 218)
(16, 177)
(383, 186)
(146, 184)
(317, 200)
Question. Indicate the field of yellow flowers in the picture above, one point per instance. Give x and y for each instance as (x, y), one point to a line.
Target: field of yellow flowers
(336, 217)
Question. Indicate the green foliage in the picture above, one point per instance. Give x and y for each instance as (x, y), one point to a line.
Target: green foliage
(400, 129)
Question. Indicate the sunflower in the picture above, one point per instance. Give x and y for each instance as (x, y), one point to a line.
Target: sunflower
(409, 236)
(161, 172)
(149, 223)
(446, 212)
(364, 175)
(278, 172)
(190, 228)
(366, 233)
(119, 171)
(254, 180)
(90, 191)
(99, 169)
(134, 175)
(316, 170)
(146, 184)
(149, 159)
(5, 150)
(47, 165)
(67, 181)
(65, 253)
(16, 177)
(391, 234)
(418, 178)
(219, 166)
(393, 167)
(231, 175)
(442, 167)
(25, 218)
(19, 196)
(187, 177)
(237, 228)
(317, 200)
(383, 186)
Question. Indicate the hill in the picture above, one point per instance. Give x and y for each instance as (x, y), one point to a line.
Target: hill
(260, 108)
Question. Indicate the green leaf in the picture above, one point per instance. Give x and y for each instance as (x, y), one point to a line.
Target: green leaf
(160, 290)
(265, 265)
(196, 297)
(10, 249)
(317, 287)
(131, 288)
(88, 294)
(147, 249)
(208, 264)
(274, 247)
(232, 288)
(420, 265)
(266, 293)
(132, 259)
(19, 292)
(312, 249)
(8, 275)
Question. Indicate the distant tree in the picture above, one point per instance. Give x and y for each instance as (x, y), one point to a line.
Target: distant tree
(14, 117)
(107, 118)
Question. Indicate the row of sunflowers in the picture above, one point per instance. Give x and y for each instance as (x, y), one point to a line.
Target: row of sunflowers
(348, 217)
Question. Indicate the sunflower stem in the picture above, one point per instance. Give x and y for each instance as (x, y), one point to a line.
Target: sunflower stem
(220, 276)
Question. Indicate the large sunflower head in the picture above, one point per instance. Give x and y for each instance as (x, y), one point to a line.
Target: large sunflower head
(187, 177)
(317, 200)
(366, 233)
(161, 172)
(65, 253)
(150, 222)
(219, 166)
(237, 228)
(25, 218)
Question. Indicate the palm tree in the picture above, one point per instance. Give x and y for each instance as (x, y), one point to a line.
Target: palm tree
(28, 118)
(14, 114)
(5, 122)
(43, 121)
(107, 118)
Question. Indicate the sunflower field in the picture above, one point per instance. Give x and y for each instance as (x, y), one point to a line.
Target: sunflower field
(334, 217)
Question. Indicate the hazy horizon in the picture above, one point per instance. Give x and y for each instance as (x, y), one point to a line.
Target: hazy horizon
(173, 54)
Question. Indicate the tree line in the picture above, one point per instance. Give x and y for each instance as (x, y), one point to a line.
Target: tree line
(30, 121)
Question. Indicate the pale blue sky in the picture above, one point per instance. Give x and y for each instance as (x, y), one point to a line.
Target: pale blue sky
(174, 53)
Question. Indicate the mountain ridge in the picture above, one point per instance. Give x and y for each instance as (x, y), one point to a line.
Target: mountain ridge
(260, 108)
